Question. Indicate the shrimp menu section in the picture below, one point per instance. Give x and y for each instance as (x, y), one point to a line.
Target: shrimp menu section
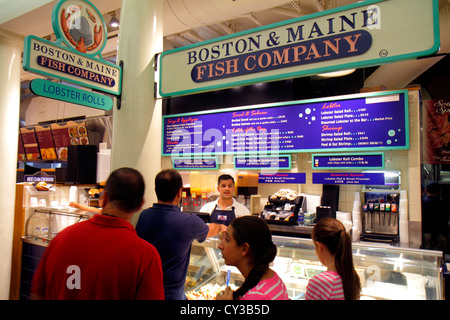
(355, 122)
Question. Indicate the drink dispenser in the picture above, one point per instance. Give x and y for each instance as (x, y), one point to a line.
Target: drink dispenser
(207, 182)
(380, 212)
(195, 189)
(247, 183)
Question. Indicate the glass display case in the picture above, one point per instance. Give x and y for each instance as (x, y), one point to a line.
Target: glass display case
(386, 272)
(44, 223)
(46, 213)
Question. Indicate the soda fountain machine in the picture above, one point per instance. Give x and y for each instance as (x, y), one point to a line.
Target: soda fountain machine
(380, 210)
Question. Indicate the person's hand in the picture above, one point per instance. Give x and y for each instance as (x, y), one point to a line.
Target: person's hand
(74, 205)
(227, 294)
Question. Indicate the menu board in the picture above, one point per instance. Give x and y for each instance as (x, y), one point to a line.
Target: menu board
(195, 163)
(295, 178)
(30, 143)
(281, 162)
(348, 178)
(70, 133)
(348, 161)
(46, 145)
(371, 121)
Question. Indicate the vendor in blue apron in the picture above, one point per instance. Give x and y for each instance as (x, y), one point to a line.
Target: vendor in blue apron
(222, 216)
(225, 208)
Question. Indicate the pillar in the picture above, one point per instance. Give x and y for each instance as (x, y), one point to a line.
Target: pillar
(136, 139)
(10, 67)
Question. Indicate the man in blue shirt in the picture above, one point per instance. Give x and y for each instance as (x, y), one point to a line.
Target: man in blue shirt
(172, 232)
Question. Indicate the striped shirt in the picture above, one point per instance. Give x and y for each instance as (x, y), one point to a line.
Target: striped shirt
(325, 286)
(268, 289)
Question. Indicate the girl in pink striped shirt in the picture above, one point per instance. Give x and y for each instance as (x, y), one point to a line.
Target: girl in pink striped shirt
(334, 249)
(247, 244)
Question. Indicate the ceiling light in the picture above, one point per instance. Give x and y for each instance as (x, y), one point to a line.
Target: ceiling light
(114, 23)
(333, 74)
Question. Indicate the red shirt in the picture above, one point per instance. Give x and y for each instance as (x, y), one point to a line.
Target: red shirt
(101, 258)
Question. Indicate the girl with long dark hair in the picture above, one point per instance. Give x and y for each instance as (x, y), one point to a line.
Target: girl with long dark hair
(247, 245)
(334, 249)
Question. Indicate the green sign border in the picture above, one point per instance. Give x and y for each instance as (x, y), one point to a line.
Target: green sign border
(264, 168)
(37, 87)
(282, 76)
(343, 97)
(27, 67)
(348, 154)
(216, 160)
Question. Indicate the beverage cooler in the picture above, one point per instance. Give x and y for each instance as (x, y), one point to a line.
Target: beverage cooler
(386, 272)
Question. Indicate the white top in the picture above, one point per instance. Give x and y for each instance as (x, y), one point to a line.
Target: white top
(239, 209)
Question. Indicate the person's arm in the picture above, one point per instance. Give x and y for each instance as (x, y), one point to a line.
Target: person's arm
(215, 228)
(85, 208)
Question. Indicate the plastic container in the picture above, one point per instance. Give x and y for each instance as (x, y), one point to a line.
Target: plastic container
(301, 218)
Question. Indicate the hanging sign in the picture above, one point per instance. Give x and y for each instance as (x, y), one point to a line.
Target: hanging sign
(188, 163)
(348, 178)
(62, 92)
(256, 162)
(76, 55)
(360, 122)
(361, 34)
(348, 161)
(290, 177)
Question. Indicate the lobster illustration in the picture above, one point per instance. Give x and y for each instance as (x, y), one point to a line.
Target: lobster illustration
(77, 30)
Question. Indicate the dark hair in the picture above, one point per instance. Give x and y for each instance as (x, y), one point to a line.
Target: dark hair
(255, 232)
(331, 232)
(433, 188)
(125, 188)
(167, 184)
(224, 177)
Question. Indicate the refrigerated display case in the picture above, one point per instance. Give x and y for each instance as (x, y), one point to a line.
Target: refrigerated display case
(45, 223)
(386, 272)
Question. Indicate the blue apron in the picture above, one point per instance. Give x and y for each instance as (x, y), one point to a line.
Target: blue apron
(222, 216)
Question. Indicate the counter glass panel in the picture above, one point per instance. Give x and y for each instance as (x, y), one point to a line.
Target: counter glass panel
(386, 272)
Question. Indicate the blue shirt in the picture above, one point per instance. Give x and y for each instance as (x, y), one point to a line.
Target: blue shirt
(172, 233)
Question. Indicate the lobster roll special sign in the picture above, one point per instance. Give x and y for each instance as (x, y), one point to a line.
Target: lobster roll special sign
(75, 56)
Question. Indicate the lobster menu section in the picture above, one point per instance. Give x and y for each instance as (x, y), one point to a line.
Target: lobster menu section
(355, 122)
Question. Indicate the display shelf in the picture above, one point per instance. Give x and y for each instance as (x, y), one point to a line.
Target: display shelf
(386, 272)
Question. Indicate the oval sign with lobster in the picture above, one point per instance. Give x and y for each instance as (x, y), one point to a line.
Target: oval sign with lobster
(80, 26)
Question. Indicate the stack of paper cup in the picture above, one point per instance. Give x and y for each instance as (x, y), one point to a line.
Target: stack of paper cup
(73, 194)
(356, 217)
(103, 162)
(403, 218)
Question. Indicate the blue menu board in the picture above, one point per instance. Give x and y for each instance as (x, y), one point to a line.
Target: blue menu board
(348, 178)
(281, 162)
(372, 121)
(348, 161)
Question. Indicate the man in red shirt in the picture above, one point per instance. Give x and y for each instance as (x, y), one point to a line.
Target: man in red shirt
(103, 258)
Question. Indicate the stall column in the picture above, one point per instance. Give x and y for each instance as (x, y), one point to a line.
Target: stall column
(10, 67)
(136, 140)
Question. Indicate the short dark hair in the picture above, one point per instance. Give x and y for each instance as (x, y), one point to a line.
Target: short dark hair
(125, 188)
(224, 177)
(168, 183)
(433, 188)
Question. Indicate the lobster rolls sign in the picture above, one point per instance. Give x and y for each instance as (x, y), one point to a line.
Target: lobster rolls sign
(362, 34)
(76, 54)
